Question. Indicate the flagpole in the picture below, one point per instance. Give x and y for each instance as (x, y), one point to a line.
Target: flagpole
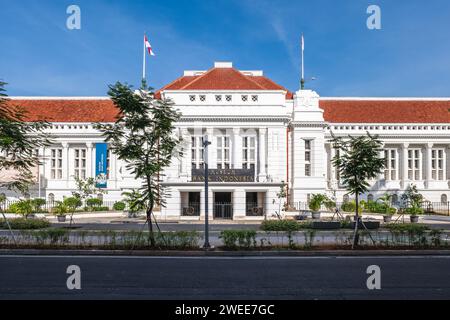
(302, 81)
(143, 60)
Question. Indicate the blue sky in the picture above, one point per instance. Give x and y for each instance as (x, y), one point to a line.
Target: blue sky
(409, 56)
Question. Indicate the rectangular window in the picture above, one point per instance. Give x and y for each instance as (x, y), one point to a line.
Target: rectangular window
(437, 164)
(56, 164)
(307, 158)
(223, 152)
(197, 152)
(390, 170)
(414, 163)
(80, 163)
(248, 152)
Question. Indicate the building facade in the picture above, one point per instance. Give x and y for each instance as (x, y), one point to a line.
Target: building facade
(261, 135)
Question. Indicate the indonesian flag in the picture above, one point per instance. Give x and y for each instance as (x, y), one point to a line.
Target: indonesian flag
(148, 46)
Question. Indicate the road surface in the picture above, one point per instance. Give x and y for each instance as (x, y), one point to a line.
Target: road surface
(103, 277)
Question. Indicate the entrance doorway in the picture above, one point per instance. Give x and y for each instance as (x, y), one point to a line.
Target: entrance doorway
(223, 205)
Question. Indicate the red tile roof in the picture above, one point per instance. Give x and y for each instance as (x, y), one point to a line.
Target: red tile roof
(65, 110)
(386, 111)
(224, 79)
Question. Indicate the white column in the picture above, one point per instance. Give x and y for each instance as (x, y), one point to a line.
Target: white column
(237, 149)
(186, 159)
(212, 149)
(89, 168)
(65, 160)
(405, 164)
(429, 146)
(444, 165)
(262, 154)
(332, 170)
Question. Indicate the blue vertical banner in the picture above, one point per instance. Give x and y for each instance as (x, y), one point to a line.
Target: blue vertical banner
(101, 156)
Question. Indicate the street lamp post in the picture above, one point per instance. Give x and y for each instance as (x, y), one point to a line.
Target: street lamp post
(206, 143)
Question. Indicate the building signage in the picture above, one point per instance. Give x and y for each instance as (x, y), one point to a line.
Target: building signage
(101, 156)
(224, 175)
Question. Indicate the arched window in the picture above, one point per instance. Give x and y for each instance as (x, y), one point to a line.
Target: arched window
(51, 197)
(370, 197)
(444, 198)
(394, 199)
(346, 198)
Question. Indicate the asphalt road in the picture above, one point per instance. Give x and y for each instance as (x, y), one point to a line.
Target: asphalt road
(44, 277)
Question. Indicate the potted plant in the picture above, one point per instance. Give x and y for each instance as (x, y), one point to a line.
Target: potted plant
(60, 210)
(385, 207)
(134, 202)
(414, 199)
(25, 208)
(414, 212)
(315, 203)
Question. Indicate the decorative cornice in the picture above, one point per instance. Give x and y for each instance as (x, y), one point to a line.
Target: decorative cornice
(235, 119)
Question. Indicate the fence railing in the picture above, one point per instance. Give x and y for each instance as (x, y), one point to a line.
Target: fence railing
(7, 205)
(438, 208)
(223, 210)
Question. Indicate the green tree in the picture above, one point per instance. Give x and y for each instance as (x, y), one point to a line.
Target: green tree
(143, 137)
(18, 141)
(357, 161)
(86, 188)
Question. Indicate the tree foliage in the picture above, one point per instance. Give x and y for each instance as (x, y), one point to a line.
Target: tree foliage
(18, 141)
(358, 160)
(143, 137)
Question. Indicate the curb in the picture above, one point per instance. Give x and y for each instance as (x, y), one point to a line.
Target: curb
(219, 253)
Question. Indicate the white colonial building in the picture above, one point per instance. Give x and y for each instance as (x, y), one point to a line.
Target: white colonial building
(261, 136)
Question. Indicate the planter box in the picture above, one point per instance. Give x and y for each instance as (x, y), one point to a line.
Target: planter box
(326, 225)
(371, 225)
(387, 219)
(61, 218)
(414, 219)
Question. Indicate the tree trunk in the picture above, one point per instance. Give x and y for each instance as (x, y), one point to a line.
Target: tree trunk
(150, 226)
(356, 233)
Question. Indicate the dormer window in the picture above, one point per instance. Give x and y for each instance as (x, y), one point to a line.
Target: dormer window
(192, 98)
(202, 98)
(254, 98)
(244, 97)
(218, 98)
(228, 98)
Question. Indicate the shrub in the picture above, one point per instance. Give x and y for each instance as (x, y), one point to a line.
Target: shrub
(119, 206)
(238, 239)
(178, 239)
(100, 209)
(25, 224)
(60, 209)
(316, 201)
(37, 204)
(72, 203)
(94, 202)
(348, 206)
(414, 211)
(406, 227)
(283, 225)
(24, 207)
(12, 208)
